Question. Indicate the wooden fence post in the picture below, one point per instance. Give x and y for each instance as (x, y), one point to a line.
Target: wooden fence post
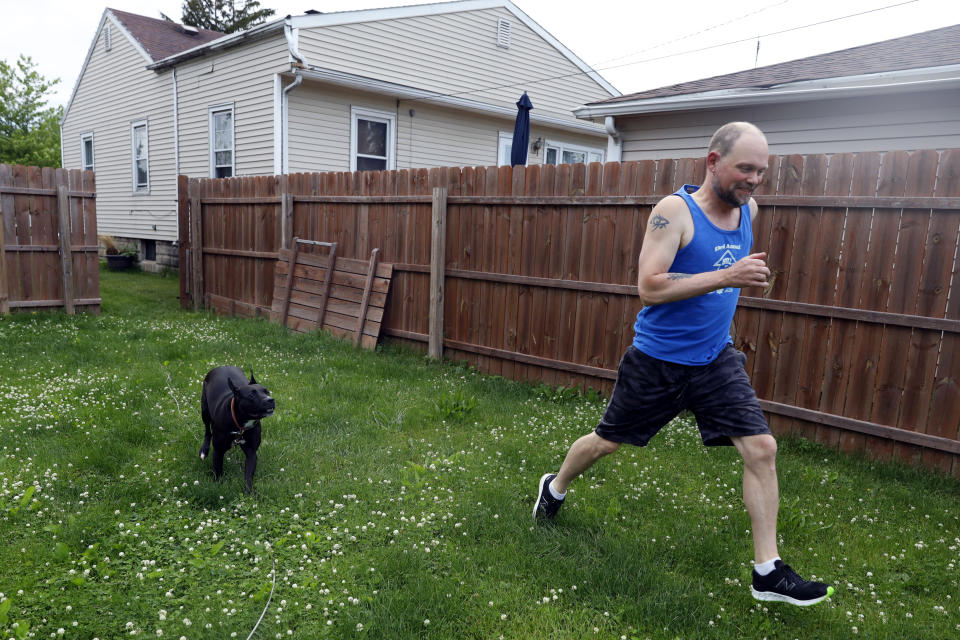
(286, 213)
(183, 235)
(66, 249)
(438, 255)
(196, 253)
(4, 288)
(288, 290)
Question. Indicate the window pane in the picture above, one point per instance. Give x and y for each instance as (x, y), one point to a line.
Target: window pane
(222, 158)
(574, 157)
(140, 142)
(506, 147)
(596, 156)
(371, 138)
(223, 130)
(141, 173)
(551, 155)
(371, 164)
(224, 172)
(88, 154)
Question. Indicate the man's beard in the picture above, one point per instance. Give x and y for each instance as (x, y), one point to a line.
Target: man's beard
(730, 196)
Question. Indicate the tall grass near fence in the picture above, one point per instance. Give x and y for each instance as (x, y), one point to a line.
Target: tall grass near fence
(393, 500)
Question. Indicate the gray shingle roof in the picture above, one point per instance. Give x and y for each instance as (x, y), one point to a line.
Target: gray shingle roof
(928, 49)
(162, 38)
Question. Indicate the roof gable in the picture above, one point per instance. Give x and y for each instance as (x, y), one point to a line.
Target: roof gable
(937, 48)
(409, 11)
(162, 38)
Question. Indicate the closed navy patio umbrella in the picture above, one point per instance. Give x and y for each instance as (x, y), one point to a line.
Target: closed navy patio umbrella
(521, 132)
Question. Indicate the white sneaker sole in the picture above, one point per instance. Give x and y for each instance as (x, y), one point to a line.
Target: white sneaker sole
(770, 596)
(536, 503)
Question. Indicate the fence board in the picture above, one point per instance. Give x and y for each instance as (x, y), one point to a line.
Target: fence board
(822, 346)
(48, 257)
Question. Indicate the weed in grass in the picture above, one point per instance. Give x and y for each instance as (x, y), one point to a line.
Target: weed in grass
(394, 495)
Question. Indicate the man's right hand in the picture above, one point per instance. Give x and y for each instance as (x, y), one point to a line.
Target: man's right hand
(751, 271)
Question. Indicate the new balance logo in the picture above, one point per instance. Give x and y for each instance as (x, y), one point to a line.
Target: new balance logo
(783, 585)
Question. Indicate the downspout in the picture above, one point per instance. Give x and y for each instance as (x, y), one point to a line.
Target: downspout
(176, 126)
(296, 63)
(176, 149)
(614, 141)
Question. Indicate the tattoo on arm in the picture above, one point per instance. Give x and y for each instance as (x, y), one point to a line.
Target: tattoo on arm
(678, 276)
(658, 222)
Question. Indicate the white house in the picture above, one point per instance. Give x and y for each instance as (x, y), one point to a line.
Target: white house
(417, 86)
(899, 94)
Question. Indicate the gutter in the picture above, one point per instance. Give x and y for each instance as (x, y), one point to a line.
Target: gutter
(284, 154)
(176, 127)
(297, 63)
(754, 96)
(226, 42)
(614, 141)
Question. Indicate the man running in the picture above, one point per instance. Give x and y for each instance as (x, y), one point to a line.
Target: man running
(694, 260)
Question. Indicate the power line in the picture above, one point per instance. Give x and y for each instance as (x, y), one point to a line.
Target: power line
(695, 34)
(530, 81)
(763, 35)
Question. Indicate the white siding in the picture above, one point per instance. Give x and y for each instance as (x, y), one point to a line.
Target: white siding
(440, 137)
(115, 91)
(241, 76)
(319, 132)
(879, 123)
(456, 53)
(319, 125)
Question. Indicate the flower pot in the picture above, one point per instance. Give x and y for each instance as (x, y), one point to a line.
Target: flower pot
(119, 262)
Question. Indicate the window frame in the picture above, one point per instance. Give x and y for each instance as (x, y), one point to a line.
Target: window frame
(374, 115)
(83, 151)
(137, 188)
(560, 147)
(211, 112)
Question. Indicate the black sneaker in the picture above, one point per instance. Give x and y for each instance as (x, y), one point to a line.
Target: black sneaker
(546, 505)
(784, 585)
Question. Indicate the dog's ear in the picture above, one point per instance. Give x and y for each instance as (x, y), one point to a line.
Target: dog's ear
(232, 386)
(252, 379)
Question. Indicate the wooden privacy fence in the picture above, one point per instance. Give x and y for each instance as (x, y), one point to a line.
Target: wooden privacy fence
(854, 343)
(48, 239)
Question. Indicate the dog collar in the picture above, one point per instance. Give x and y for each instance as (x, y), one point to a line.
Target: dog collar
(233, 413)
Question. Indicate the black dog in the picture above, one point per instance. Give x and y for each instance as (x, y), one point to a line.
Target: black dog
(231, 410)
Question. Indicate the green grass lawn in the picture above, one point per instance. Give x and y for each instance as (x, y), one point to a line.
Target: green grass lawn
(393, 498)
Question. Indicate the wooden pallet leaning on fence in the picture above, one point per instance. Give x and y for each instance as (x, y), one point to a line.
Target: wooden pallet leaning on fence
(347, 301)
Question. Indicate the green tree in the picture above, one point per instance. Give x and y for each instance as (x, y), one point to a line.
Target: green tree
(29, 129)
(226, 16)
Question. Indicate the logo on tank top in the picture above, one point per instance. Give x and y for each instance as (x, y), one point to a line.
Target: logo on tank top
(726, 260)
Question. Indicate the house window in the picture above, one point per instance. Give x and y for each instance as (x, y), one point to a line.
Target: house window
(86, 151)
(141, 161)
(504, 149)
(562, 153)
(149, 249)
(221, 142)
(372, 141)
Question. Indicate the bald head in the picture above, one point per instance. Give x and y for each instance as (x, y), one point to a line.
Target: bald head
(726, 136)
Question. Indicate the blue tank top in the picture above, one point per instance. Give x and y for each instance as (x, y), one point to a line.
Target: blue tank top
(694, 331)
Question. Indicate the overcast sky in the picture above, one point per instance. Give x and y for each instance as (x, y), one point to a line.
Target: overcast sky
(634, 44)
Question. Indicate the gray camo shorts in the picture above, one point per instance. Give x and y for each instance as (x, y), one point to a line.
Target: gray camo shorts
(650, 392)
